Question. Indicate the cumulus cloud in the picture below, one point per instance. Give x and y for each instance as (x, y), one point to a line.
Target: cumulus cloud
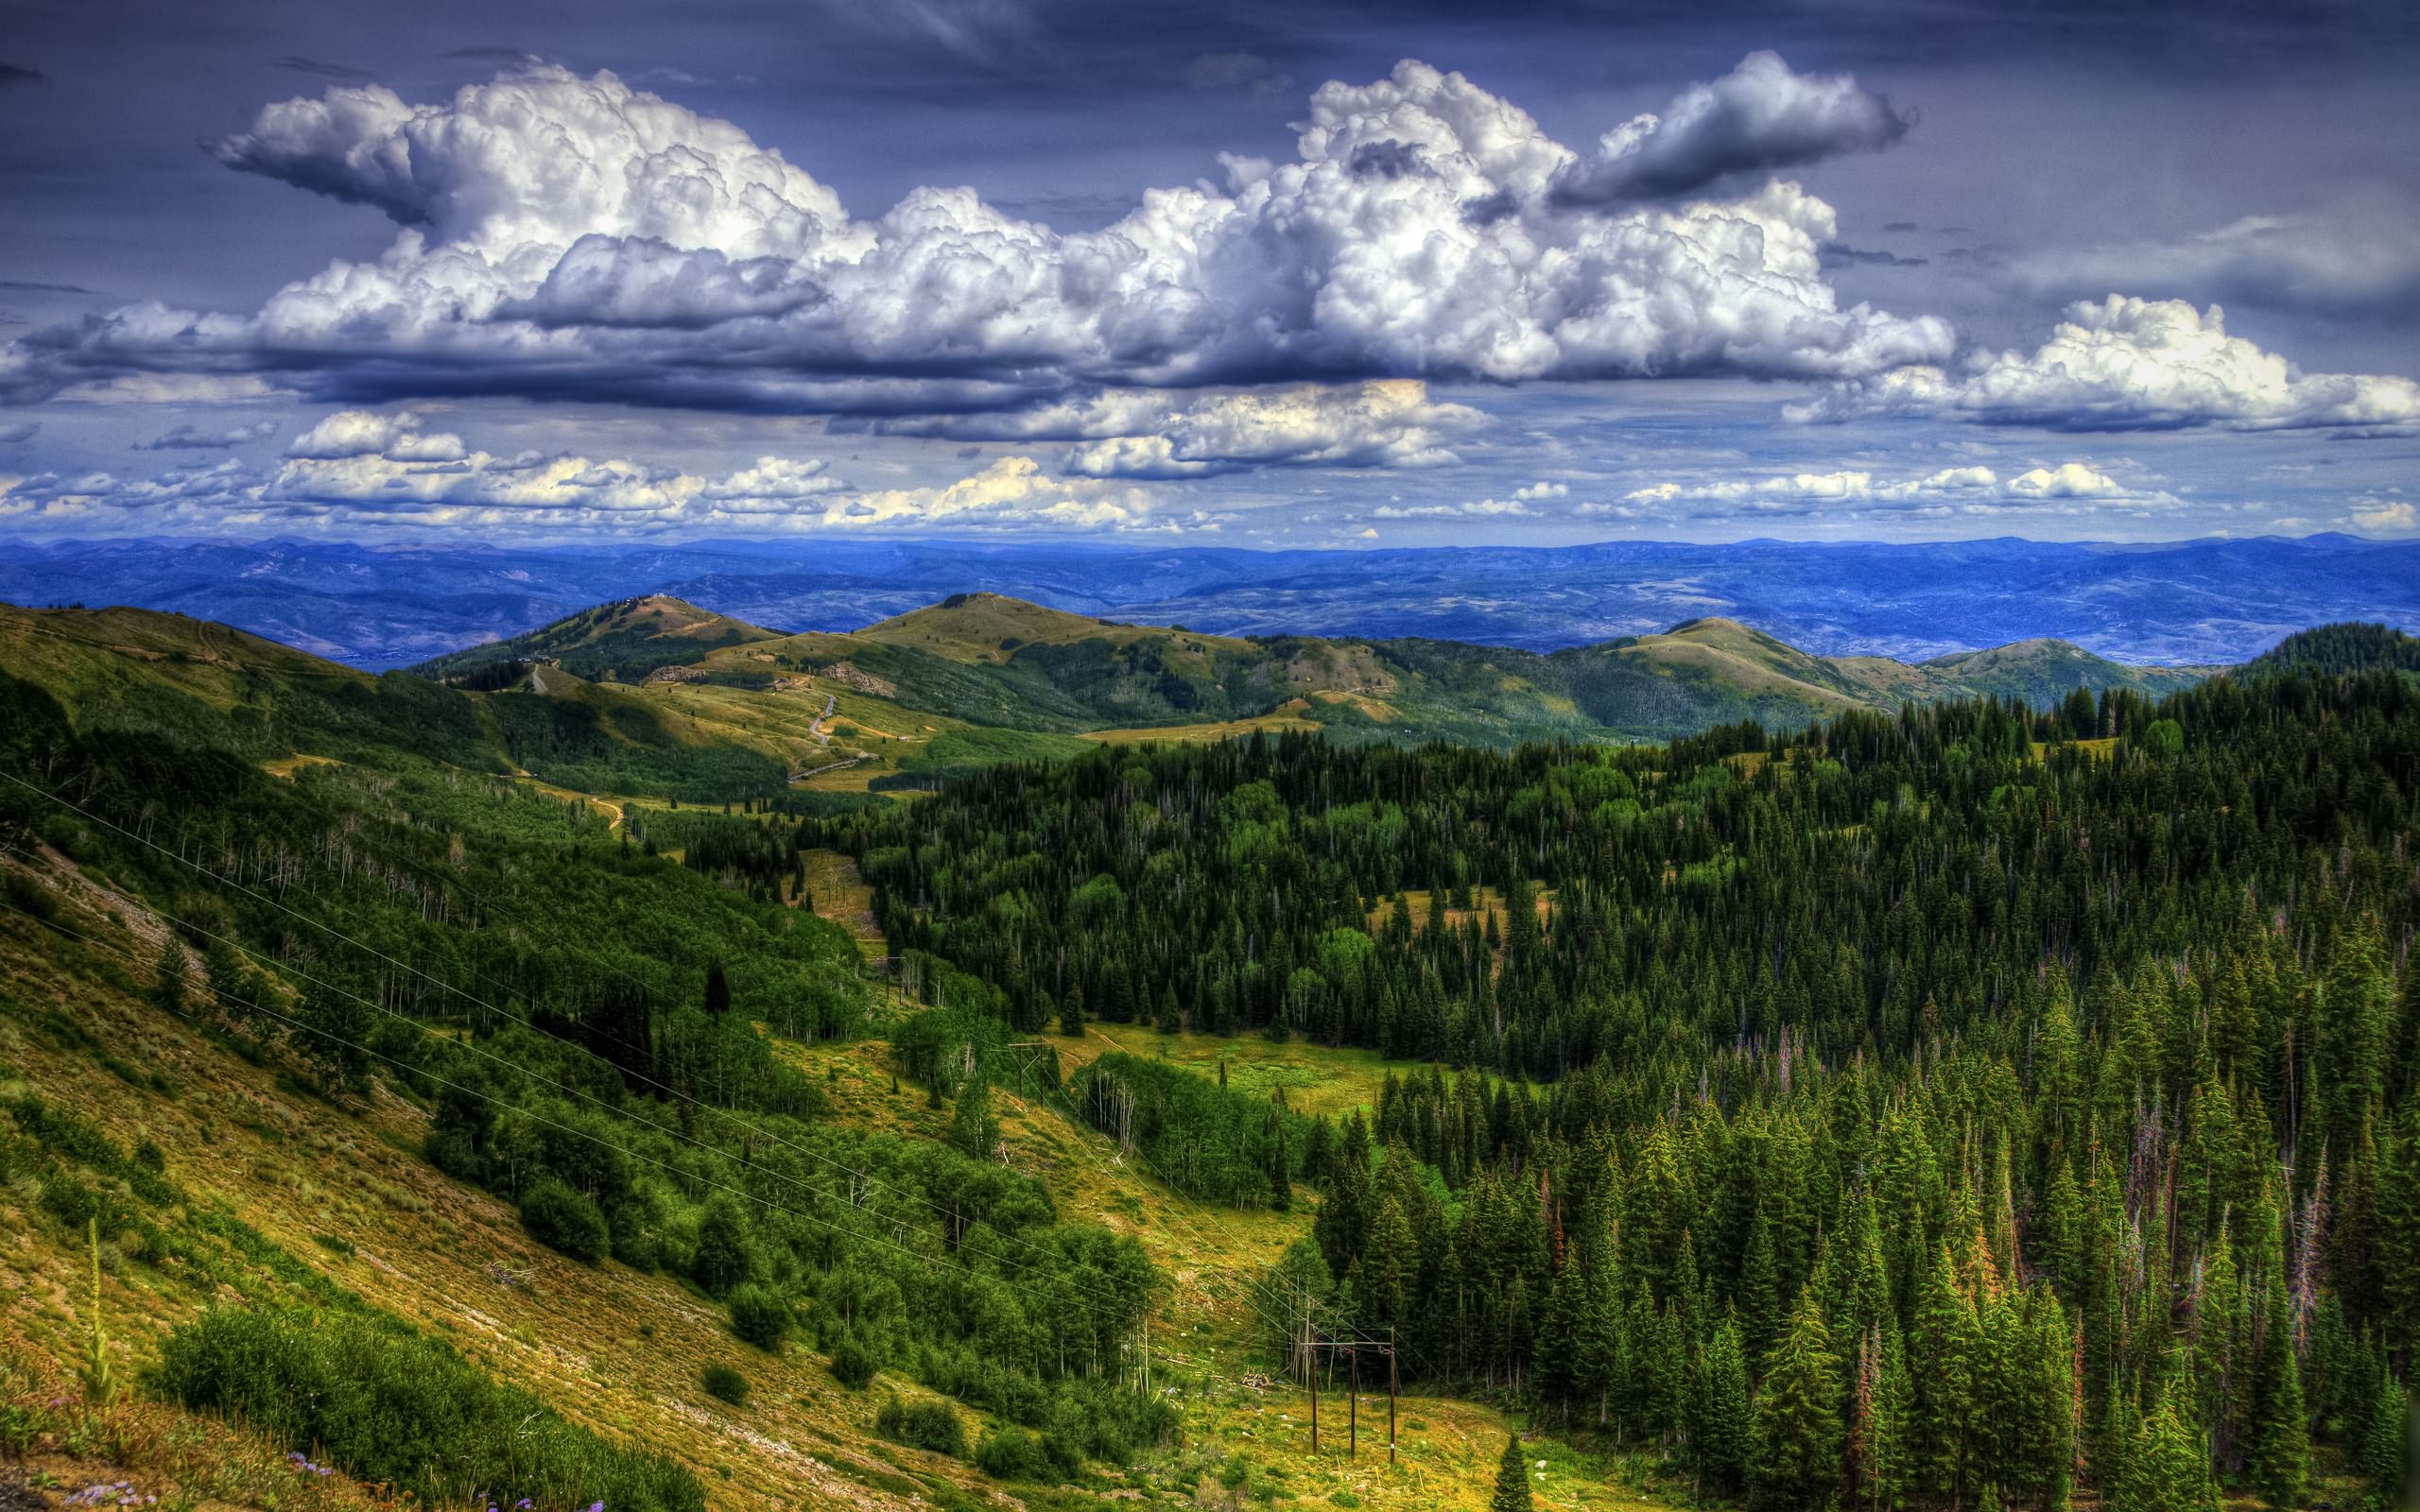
(1156, 434)
(191, 438)
(572, 237)
(2383, 515)
(2344, 262)
(1758, 117)
(360, 470)
(1975, 489)
(1474, 509)
(398, 438)
(2130, 364)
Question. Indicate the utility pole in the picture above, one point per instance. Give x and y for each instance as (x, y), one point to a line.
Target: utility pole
(1390, 1399)
(1311, 1385)
(1353, 1405)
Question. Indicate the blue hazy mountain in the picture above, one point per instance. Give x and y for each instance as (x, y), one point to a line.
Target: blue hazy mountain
(2178, 603)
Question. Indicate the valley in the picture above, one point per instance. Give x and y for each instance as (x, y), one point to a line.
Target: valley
(996, 1119)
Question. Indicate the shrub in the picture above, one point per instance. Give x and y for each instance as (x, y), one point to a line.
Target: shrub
(385, 1403)
(723, 1384)
(931, 1424)
(722, 1258)
(853, 1363)
(561, 1219)
(760, 1315)
(1014, 1453)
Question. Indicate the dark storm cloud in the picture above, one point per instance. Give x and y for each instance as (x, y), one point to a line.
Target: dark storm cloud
(18, 73)
(2351, 263)
(191, 438)
(30, 287)
(1759, 117)
(1840, 254)
(293, 63)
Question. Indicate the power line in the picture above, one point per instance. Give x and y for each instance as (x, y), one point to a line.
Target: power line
(940, 1209)
(475, 1049)
(679, 1175)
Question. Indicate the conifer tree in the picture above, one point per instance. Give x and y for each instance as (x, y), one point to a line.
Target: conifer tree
(1725, 1415)
(169, 992)
(2279, 1462)
(1797, 1414)
(1512, 1480)
(2385, 1446)
(1071, 1012)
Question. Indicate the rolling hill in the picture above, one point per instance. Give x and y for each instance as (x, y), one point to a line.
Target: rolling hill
(346, 1004)
(988, 660)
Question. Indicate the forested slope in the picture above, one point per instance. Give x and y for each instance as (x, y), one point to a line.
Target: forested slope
(1967, 1103)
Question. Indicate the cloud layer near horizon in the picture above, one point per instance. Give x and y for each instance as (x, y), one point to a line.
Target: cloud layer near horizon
(359, 467)
(2128, 364)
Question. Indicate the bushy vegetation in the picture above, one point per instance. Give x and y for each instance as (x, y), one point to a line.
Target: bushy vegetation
(924, 1424)
(724, 1383)
(1207, 1141)
(759, 1315)
(564, 1219)
(384, 1404)
(601, 1067)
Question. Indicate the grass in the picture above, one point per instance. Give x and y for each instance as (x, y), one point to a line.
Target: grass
(624, 1353)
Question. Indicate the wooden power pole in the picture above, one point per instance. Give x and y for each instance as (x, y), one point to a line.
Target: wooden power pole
(1353, 1404)
(1390, 1399)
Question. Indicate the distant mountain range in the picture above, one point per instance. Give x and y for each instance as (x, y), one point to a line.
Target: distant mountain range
(2185, 603)
(656, 696)
(989, 661)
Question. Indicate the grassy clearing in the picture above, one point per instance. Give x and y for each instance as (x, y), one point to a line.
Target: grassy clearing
(1245, 1439)
(1486, 901)
(1290, 716)
(836, 891)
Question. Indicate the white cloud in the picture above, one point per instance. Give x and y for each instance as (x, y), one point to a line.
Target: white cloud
(1153, 434)
(1757, 118)
(141, 323)
(2130, 364)
(1976, 488)
(2384, 515)
(361, 469)
(350, 432)
(575, 236)
(1542, 491)
(1475, 509)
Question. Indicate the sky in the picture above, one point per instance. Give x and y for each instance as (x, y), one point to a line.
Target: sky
(1233, 272)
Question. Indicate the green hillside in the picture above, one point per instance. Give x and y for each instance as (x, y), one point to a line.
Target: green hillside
(371, 1106)
(627, 639)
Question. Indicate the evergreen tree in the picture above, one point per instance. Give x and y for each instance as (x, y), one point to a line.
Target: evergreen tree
(1719, 1437)
(1797, 1414)
(717, 989)
(169, 989)
(2280, 1451)
(2385, 1444)
(1071, 1012)
(1512, 1480)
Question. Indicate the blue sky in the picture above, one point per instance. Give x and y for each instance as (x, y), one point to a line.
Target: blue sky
(1242, 274)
